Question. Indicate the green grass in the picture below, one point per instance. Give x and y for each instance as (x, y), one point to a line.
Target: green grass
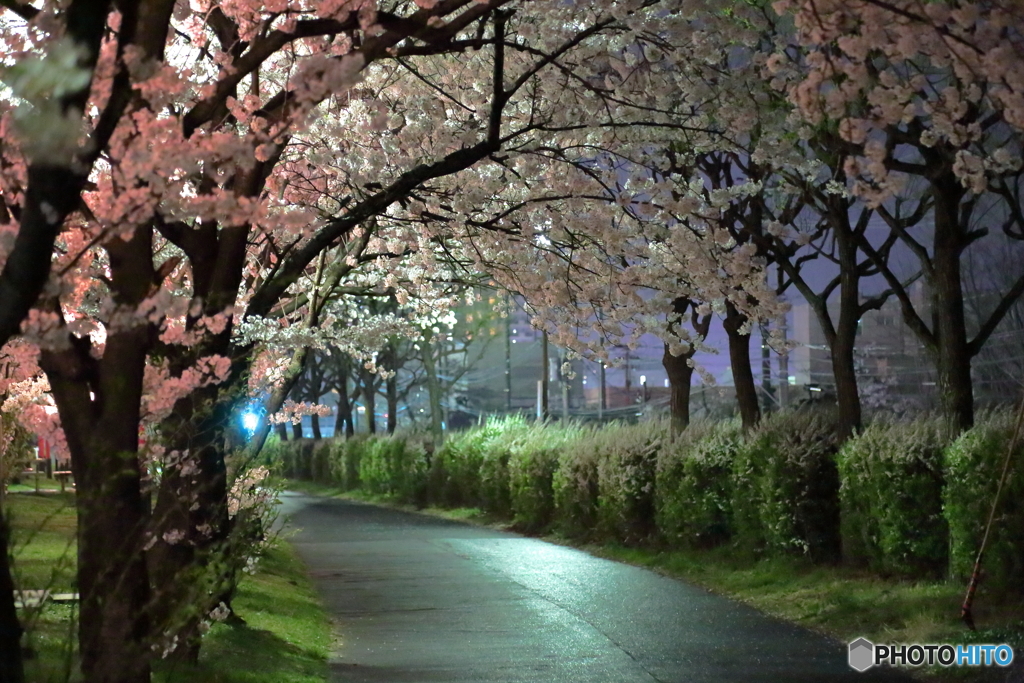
(286, 636)
(44, 539)
(841, 602)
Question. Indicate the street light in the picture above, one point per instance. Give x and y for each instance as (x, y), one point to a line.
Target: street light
(250, 421)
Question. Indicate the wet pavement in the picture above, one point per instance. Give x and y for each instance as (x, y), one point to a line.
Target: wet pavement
(420, 599)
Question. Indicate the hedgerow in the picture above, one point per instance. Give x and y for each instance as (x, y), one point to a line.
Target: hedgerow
(785, 496)
(693, 486)
(891, 497)
(897, 498)
(974, 463)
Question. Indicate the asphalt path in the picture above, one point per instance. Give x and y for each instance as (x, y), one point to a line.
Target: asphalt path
(420, 599)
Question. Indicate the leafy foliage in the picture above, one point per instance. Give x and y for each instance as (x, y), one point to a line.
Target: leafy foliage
(694, 485)
(891, 497)
(785, 495)
(974, 463)
(626, 461)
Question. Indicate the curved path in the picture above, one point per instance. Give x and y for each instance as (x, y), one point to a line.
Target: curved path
(420, 599)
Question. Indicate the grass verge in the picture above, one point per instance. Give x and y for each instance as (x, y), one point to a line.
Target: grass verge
(285, 638)
(841, 602)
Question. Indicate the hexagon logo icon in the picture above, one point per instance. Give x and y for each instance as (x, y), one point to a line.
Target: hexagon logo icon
(862, 654)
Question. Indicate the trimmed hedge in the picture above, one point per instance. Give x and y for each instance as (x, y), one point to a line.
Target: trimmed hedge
(575, 487)
(891, 498)
(785, 497)
(626, 463)
(897, 498)
(533, 459)
(693, 487)
(974, 463)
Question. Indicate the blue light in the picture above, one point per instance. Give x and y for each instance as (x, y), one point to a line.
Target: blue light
(250, 421)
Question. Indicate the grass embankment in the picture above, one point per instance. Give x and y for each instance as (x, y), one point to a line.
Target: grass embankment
(286, 637)
(841, 602)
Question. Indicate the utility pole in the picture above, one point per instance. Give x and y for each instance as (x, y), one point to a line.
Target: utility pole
(629, 383)
(545, 376)
(565, 392)
(508, 353)
(766, 370)
(783, 357)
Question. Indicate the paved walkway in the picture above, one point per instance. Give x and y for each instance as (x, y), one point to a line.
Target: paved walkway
(419, 599)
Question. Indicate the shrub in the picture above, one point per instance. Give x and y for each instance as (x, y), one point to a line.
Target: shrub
(409, 469)
(974, 463)
(394, 466)
(891, 498)
(693, 485)
(272, 455)
(499, 438)
(348, 455)
(320, 460)
(295, 458)
(374, 473)
(785, 496)
(533, 458)
(626, 462)
(574, 487)
(455, 468)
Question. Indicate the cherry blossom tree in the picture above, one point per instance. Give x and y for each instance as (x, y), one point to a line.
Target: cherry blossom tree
(922, 92)
(198, 195)
(184, 164)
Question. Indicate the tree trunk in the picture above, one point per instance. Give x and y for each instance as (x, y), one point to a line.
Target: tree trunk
(297, 430)
(956, 390)
(742, 372)
(314, 422)
(99, 401)
(679, 376)
(847, 393)
(102, 434)
(190, 577)
(273, 403)
(842, 344)
(11, 666)
(369, 400)
(389, 360)
(433, 392)
(392, 391)
(345, 409)
(282, 432)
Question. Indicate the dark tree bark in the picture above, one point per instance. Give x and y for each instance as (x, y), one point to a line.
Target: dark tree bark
(392, 394)
(99, 402)
(11, 666)
(678, 367)
(344, 404)
(369, 391)
(952, 350)
(742, 372)
(680, 375)
(389, 360)
(282, 432)
(314, 422)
